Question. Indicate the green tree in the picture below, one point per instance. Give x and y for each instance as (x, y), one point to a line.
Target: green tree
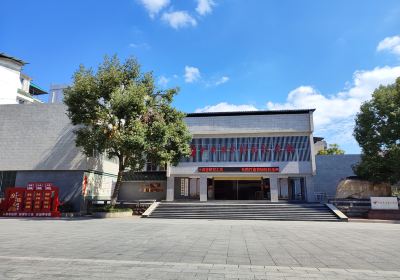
(377, 131)
(333, 149)
(121, 113)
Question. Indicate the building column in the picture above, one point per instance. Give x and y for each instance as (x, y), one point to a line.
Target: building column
(284, 187)
(309, 187)
(170, 188)
(192, 187)
(203, 188)
(273, 182)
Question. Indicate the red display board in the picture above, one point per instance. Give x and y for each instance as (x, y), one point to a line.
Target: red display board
(239, 169)
(38, 199)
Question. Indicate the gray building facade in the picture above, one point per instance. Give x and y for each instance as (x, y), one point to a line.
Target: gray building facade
(37, 144)
(259, 155)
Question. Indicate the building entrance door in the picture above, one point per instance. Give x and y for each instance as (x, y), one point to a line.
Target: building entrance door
(225, 190)
(240, 189)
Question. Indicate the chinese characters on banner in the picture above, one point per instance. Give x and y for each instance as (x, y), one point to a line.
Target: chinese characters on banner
(244, 149)
(250, 149)
(28, 200)
(239, 169)
(15, 197)
(36, 200)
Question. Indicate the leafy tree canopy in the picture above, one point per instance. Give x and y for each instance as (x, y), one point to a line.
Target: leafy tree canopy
(377, 131)
(333, 149)
(120, 112)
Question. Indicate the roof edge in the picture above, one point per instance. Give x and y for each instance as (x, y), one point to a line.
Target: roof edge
(16, 60)
(250, 113)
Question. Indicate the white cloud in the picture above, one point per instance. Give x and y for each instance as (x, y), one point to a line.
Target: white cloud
(163, 81)
(226, 107)
(192, 74)
(153, 7)
(334, 115)
(222, 80)
(139, 45)
(179, 19)
(391, 44)
(204, 7)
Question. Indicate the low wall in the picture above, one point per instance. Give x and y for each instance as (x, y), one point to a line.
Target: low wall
(136, 190)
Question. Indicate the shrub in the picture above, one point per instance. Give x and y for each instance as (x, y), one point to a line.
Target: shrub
(111, 209)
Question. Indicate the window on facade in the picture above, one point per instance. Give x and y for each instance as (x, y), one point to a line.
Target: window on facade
(154, 167)
(7, 179)
(184, 186)
(151, 167)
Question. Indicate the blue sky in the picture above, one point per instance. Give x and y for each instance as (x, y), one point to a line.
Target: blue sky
(223, 54)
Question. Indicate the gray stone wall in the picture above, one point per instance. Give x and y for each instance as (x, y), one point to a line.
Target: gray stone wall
(69, 183)
(250, 124)
(133, 191)
(331, 169)
(40, 137)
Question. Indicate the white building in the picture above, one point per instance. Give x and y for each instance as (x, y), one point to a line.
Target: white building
(57, 93)
(247, 156)
(254, 155)
(16, 87)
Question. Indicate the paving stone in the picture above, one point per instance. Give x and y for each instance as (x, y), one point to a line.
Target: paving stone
(196, 249)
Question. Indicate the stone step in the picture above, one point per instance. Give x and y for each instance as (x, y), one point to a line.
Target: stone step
(244, 213)
(242, 210)
(279, 211)
(237, 207)
(280, 218)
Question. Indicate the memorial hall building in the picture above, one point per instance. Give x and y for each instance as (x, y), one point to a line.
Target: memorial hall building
(253, 155)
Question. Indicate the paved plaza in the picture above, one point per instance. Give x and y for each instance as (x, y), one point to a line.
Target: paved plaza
(134, 248)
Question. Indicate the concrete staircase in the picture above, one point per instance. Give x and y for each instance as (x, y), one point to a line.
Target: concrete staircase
(243, 211)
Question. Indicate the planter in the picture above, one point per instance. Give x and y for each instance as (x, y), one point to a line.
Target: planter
(123, 214)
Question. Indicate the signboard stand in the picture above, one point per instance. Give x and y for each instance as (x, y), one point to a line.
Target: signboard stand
(384, 208)
(38, 199)
(384, 203)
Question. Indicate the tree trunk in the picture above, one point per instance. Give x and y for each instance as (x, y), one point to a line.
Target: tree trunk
(118, 184)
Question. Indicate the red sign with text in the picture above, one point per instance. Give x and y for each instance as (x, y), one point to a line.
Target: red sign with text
(239, 169)
(36, 200)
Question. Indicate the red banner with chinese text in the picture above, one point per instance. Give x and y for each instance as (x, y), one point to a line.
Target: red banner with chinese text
(36, 200)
